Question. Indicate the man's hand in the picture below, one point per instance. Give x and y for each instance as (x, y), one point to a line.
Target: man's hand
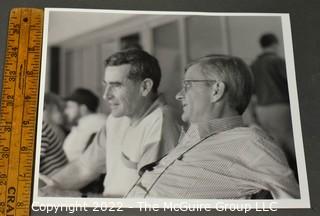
(54, 191)
(49, 188)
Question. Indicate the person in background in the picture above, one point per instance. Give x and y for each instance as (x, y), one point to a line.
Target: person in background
(52, 157)
(218, 157)
(53, 113)
(80, 111)
(272, 97)
(140, 129)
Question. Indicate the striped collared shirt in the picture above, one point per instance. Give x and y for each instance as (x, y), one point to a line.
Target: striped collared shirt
(52, 155)
(220, 159)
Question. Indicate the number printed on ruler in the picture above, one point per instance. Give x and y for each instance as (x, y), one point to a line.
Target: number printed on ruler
(19, 104)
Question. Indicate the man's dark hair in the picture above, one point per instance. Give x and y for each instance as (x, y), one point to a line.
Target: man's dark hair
(143, 65)
(267, 40)
(234, 72)
(86, 97)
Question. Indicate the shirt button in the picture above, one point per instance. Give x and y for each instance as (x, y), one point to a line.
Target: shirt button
(180, 157)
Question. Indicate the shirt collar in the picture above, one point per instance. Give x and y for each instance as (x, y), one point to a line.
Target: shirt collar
(159, 101)
(198, 131)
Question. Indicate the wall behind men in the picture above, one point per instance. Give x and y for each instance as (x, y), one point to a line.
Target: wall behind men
(173, 40)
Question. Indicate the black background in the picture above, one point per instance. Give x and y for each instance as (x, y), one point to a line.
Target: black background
(305, 24)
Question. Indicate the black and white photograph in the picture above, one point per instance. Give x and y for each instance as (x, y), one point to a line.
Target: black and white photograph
(168, 106)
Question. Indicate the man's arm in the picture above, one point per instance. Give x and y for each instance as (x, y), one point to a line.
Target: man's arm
(85, 169)
(74, 176)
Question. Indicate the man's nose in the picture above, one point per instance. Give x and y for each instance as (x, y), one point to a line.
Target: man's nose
(180, 95)
(107, 93)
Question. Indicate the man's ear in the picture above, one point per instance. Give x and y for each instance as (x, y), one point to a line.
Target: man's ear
(218, 91)
(146, 86)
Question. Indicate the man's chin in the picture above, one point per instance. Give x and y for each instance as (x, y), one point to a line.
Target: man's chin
(116, 114)
(184, 118)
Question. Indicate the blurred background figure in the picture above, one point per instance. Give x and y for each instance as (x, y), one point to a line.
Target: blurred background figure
(272, 97)
(80, 111)
(52, 155)
(85, 122)
(53, 113)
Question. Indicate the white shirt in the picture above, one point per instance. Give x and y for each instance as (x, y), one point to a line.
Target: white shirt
(78, 138)
(121, 150)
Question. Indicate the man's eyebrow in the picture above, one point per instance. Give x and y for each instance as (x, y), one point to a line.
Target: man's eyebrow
(115, 82)
(112, 82)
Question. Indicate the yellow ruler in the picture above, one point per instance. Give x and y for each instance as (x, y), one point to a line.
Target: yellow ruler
(19, 106)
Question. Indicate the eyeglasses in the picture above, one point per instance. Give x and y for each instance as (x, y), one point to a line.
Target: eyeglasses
(187, 84)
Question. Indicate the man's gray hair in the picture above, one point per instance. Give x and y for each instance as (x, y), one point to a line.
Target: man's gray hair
(232, 71)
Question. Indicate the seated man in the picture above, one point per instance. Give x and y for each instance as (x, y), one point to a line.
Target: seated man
(81, 112)
(140, 129)
(218, 157)
(52, 157)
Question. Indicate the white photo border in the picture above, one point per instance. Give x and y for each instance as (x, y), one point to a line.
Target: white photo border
(303, 202)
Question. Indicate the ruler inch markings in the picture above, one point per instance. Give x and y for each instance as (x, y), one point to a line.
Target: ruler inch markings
(19, 110)
(7, 198)
(23, 88)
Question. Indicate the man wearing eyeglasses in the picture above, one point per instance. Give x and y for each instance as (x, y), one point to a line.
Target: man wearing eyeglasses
(140, 130)
(218, 157)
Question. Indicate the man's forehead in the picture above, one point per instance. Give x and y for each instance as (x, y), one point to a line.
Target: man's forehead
(194, 73)
(201, 72)
(119, 72)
